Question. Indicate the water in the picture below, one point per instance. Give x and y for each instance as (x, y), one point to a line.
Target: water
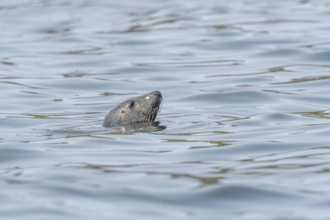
(245, 89)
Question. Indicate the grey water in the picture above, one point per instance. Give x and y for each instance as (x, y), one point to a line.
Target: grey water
(246, 106)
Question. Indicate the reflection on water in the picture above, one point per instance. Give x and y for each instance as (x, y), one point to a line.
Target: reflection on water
(245, 104)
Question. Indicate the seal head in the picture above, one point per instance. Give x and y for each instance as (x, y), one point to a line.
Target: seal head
(138, 110)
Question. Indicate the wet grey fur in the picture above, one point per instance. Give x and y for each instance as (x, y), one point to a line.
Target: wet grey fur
(138, 110)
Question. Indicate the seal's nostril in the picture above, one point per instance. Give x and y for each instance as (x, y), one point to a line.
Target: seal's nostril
(157, 93)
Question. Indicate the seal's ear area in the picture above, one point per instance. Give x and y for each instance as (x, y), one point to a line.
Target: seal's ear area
(130, 104)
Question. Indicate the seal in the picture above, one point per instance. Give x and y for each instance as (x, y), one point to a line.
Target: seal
(136, 112)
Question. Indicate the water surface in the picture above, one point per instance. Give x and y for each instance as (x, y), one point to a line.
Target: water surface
(245, 89)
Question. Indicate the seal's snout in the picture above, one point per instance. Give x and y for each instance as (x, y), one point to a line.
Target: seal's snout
(157, 93)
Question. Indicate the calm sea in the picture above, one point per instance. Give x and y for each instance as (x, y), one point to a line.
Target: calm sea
(246, 104)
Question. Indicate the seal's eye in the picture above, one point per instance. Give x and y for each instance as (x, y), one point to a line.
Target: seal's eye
(130, 104)
(122, 111)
